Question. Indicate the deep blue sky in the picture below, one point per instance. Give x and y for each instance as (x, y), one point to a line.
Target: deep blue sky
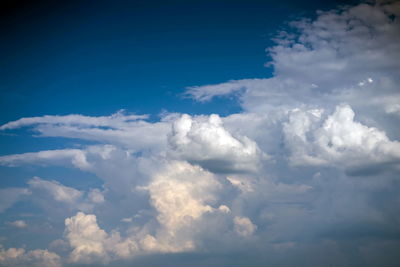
(95, 57)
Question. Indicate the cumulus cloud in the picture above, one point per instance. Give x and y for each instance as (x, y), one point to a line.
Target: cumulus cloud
(338, 140)
(244, 227)
(206, 142)
(21, 257)
(181, 194)
(92, 244)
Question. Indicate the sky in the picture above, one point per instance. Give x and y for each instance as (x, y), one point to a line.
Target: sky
(193, 133)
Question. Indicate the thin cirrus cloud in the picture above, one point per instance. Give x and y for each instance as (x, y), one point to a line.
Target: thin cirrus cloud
(310, 166)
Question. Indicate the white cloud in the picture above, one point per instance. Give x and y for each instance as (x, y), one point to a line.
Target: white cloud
(58, 191)
(338, 140)
(341, 49)
(76, 157)
(92, 244)
(86, 238)
(207, 92)
(50, 194)
(129, 131)
(206, 142)
(20, 257)
(116, 120)
(170, 175)
(18, 224)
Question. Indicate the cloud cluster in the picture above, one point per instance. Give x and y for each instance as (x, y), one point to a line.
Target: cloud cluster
(344, 55)
(91, 244)
(20, 257)
(310, 164)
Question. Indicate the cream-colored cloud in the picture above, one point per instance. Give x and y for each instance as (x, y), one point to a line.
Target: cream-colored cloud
(86, 238)
(21, 257)
(181, 194)
(92, 244)
(244, 227)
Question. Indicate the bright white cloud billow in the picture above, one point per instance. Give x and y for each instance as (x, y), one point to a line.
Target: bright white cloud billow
(206, 142)
(306, 174)
(339, 140)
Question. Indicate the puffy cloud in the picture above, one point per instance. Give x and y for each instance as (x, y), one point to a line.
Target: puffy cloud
(92, 244)
(181, 194)
(20, 257)
(358, 44)
(244, 227)
(206, 142)
(86, 238)
(339, 140)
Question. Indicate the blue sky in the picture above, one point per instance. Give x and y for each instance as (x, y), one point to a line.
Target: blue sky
(225, 133)
(56, 56)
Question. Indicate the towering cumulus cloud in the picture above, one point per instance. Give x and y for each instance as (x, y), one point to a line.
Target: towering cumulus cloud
(307, 174)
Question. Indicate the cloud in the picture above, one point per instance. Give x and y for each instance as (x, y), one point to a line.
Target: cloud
(203, 184)
(76, 157)
(114, 121)
(52, 194)
(130, 131)
(244, 227)
(181, 194)
(86, 238)
(9, 196)
(58, 191)
(20, 257)
(207, 92)
(351, 56)
(206, 142)
(18, 224)
(339, 140)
